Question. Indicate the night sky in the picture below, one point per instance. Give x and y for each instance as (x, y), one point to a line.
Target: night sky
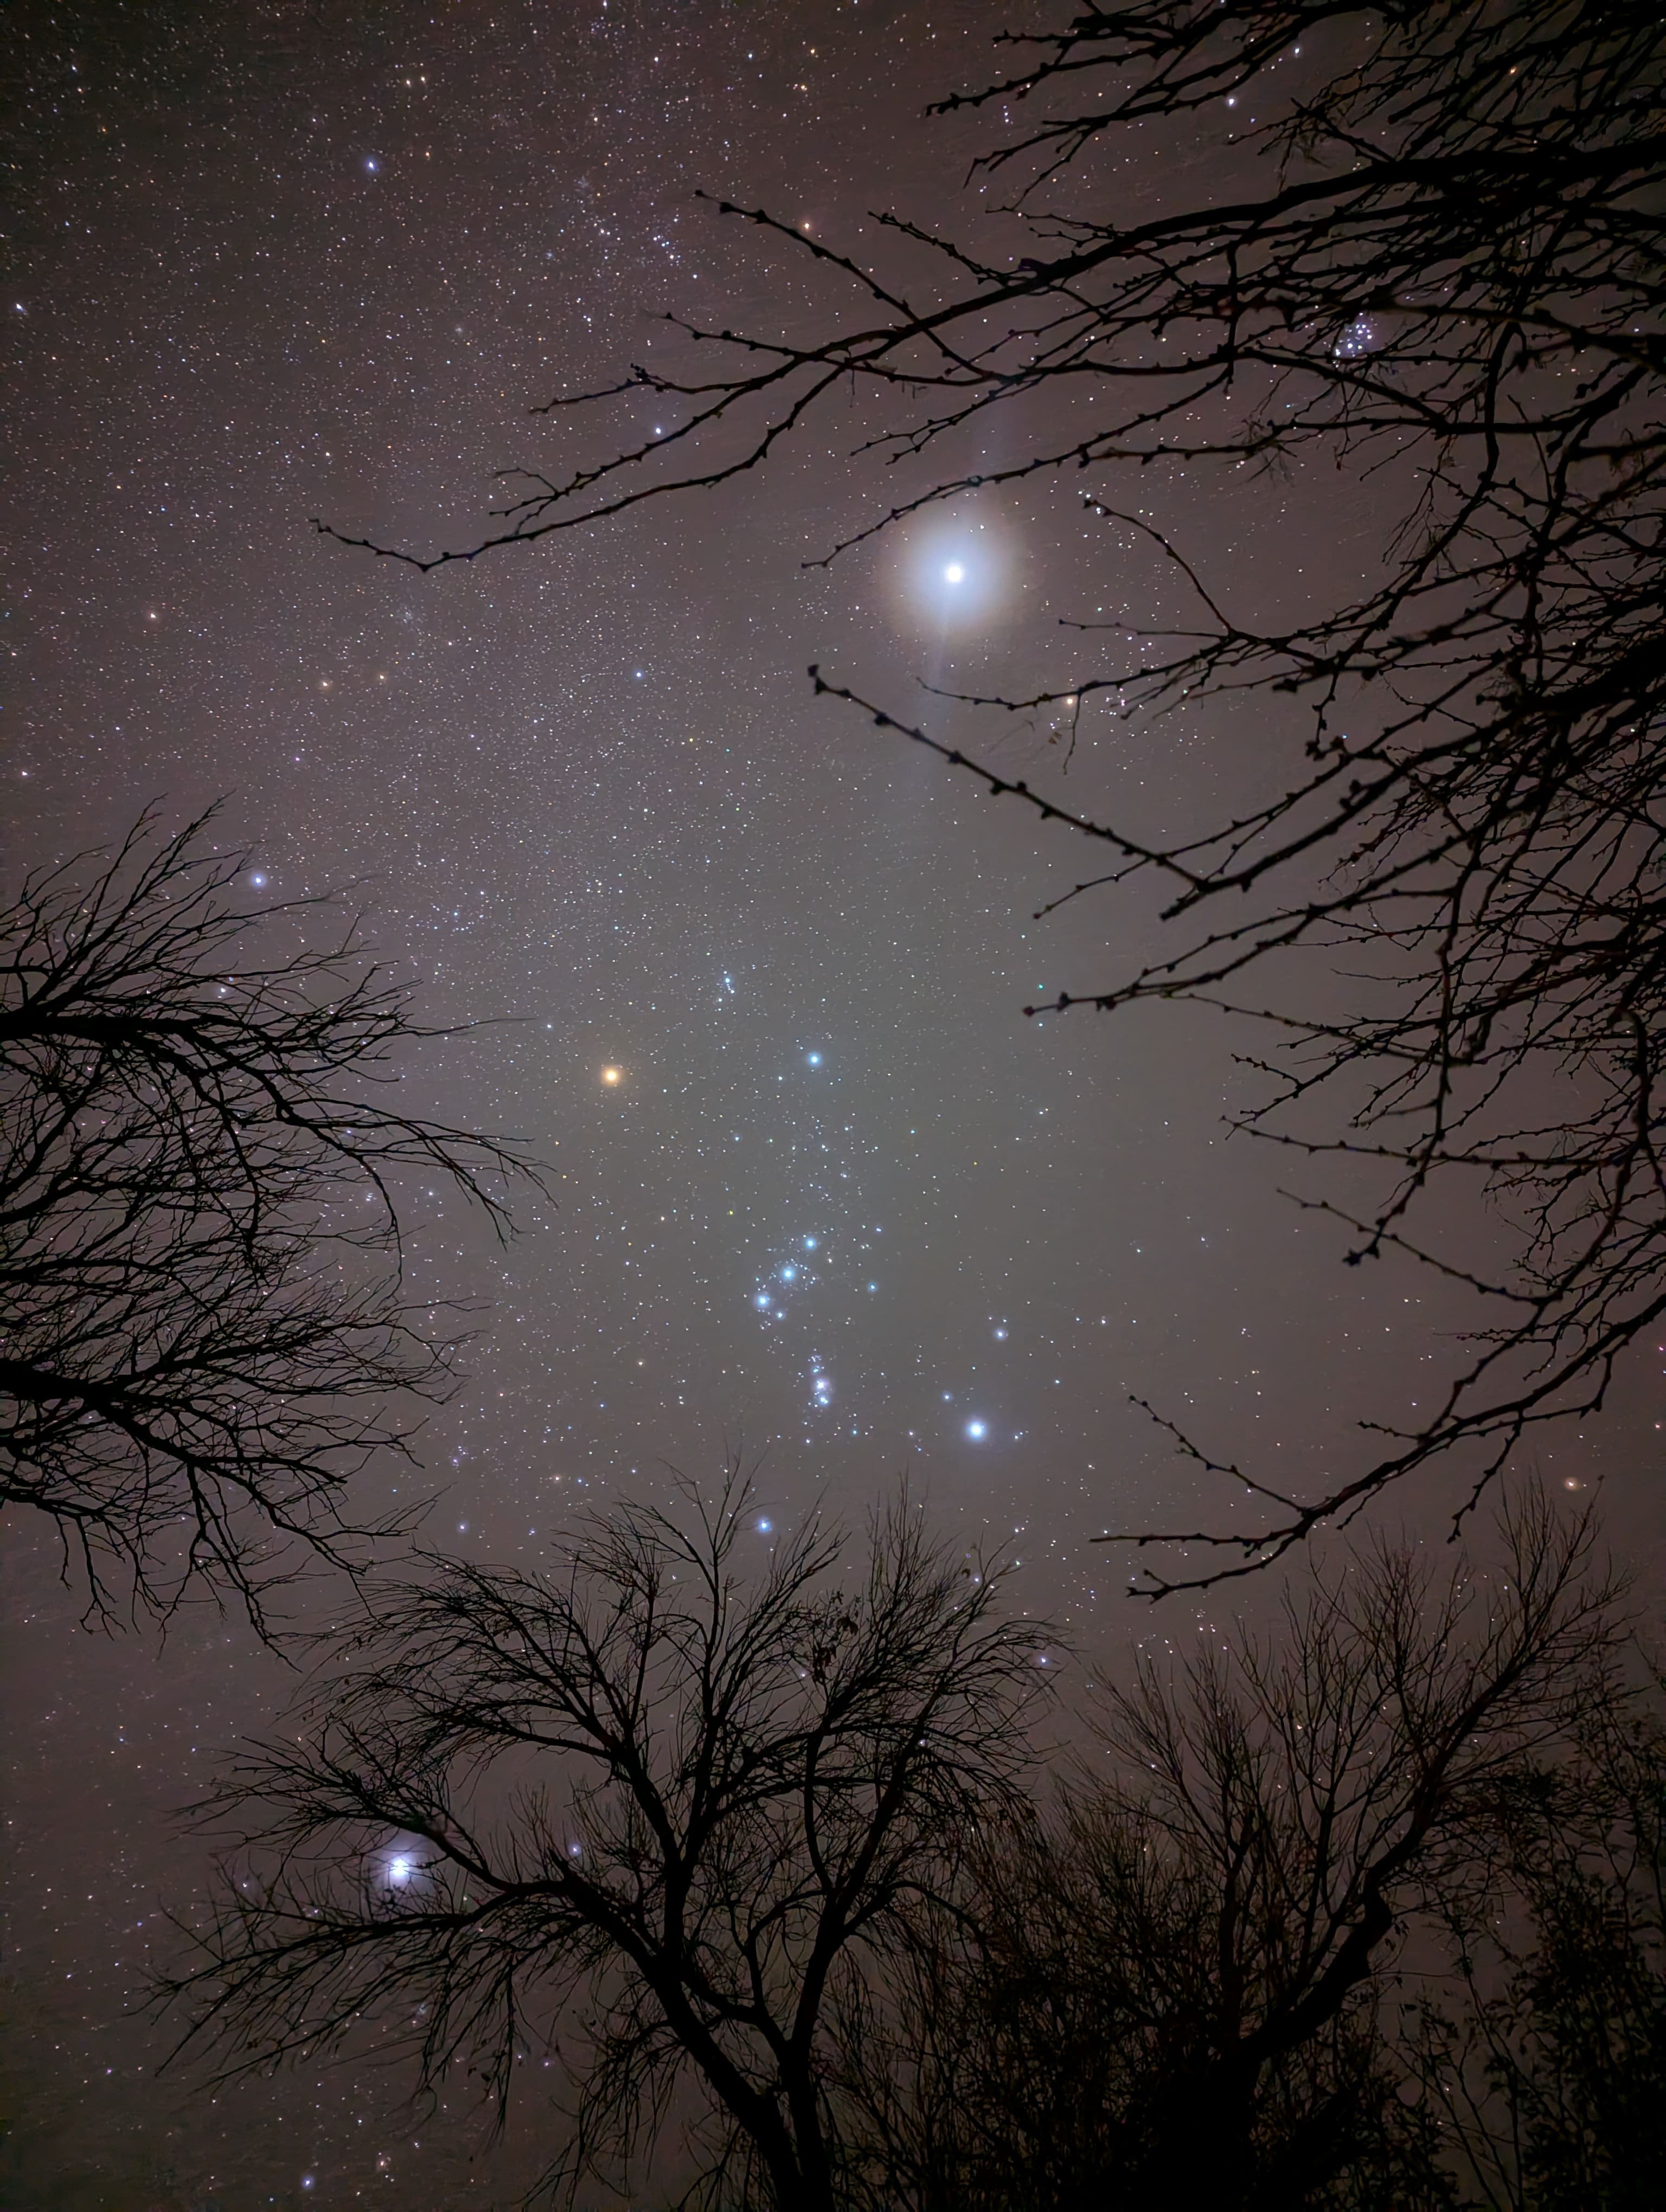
(844, 1209)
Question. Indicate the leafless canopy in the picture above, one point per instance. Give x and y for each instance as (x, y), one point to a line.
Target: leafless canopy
(1174, 1989)
(678, 1798)
(204, 1332)
(1428, 247)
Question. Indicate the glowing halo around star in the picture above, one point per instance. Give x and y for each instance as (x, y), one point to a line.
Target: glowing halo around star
(401, 1866)
(952, 576)
(612, 1076)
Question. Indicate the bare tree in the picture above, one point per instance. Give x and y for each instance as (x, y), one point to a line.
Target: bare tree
(1429, 251)
(1547, 2065)
(1171, 1988)
(204, 1335)
(687, 1808)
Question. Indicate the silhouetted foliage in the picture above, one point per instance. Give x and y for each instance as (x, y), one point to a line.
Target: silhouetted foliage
(205, 1336)
(1171, 1989)
(1550, 2074)
(1422, 242)
(690, 1813)
(758, 1851)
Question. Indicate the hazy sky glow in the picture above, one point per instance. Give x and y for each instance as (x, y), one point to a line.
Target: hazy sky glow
(752, 971)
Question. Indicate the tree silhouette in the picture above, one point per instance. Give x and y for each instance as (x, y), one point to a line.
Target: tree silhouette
(758, 1856)
(205, 1336)
(1434, 258)
(1170, 1987)
(692, 1813)
(1548, 2066)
